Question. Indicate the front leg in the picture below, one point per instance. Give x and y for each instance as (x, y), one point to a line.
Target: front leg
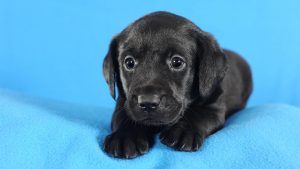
(128, 139)
(190, 131)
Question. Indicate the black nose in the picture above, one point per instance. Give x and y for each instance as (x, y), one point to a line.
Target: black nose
(148, 102)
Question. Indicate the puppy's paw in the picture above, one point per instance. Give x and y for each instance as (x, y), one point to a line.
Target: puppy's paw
(181, 138)
(125, 144)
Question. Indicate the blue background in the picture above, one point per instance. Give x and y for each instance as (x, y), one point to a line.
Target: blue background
(55, 48)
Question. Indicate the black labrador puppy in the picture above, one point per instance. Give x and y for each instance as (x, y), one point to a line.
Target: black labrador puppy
(172, 78)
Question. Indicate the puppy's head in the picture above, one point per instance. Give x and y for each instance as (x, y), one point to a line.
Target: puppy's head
(160, 64)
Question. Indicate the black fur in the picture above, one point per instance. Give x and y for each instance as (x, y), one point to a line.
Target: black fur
(190, 104)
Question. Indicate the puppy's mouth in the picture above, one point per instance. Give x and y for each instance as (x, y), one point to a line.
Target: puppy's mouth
(157, 122)
(167, 112)
(149, 121)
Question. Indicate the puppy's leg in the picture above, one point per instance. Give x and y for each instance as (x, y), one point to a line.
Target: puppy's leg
(128, 139)
(189, 132)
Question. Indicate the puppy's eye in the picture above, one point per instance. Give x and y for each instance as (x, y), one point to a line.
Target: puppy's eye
(177, 62)
(129, 62)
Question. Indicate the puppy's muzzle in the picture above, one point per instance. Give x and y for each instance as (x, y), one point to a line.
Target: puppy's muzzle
(148, 102)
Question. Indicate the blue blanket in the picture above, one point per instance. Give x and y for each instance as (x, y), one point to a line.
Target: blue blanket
(36, 133)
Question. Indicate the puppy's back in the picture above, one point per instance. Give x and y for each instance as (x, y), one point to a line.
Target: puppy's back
(238, 80)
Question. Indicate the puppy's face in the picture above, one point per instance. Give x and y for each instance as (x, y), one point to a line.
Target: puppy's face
(154, 63)
(156, 72)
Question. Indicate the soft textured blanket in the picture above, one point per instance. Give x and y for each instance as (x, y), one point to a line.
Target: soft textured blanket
(45, 134)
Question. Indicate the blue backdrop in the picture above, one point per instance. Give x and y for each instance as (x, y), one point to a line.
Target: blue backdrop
(55, 48)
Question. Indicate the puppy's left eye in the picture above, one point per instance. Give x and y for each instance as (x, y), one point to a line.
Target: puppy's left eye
(129, 62)
(177, 62)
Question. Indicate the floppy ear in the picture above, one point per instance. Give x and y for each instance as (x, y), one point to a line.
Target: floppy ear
(110, 66)
(212, 64)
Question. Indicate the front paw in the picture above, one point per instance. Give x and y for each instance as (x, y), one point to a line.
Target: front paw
(181, 138)
(126, 144)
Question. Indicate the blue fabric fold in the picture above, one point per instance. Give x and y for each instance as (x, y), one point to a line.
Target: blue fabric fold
(37, 133)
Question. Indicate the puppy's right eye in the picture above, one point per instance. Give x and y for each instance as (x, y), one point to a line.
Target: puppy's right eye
(177, 63)
(129, 62)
